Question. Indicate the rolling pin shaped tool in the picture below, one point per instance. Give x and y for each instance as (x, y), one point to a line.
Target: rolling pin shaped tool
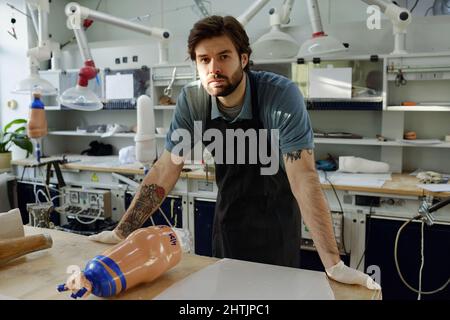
(16, 247)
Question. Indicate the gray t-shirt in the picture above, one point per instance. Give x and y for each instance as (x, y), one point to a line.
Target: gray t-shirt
(230, 113)
(281, 106)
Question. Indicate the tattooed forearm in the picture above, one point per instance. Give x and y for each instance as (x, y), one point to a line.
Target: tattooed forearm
(296, 155)
(146, 201)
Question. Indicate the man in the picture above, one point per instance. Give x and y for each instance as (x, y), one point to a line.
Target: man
(257, 215)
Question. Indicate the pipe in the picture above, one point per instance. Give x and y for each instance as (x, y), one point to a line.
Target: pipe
(86, 13)
(43, 27)
(33, 19)
(163, 52)
(380, 3)
(56, 55)
(314, 16)
(286, 9)
(400, 19)
(251, 11)
(99, 16)
(399, 43)
(82, 42)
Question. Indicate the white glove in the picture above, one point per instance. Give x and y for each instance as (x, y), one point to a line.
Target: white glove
(106, 237)
(341, 273)
(184, 236)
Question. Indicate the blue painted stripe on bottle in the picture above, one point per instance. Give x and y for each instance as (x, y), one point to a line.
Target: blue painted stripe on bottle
(103, 284)
(113, 265)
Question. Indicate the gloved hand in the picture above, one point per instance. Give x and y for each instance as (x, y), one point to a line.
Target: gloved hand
(110, 237)
(341, 273)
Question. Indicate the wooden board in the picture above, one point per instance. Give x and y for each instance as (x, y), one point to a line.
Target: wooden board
(37, 275)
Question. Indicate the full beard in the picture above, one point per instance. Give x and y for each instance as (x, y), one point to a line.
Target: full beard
(228, 86)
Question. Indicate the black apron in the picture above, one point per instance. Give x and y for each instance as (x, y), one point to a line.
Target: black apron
(256, 216)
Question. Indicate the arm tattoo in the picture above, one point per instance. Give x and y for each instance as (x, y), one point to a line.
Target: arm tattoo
(147, 200)
(296, 155)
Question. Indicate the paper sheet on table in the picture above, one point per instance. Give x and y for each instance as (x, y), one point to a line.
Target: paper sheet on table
(435, 187)
(230, 279)
(330, 83)
(119, 86)
(373, 180)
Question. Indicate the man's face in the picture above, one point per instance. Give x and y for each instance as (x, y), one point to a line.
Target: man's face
(219, 66)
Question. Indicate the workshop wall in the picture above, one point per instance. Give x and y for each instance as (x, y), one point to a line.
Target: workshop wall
(13, 63)
(345, 19)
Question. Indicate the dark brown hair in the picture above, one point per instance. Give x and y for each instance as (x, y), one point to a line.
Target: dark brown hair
(216, 26)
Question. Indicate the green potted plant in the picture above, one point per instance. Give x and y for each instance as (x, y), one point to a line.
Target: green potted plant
(9, 137)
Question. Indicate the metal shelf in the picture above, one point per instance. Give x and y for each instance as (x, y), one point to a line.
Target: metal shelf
(362, 103)
(90, 134)
(375, 142)
(362, 142)
(418, 108)
(164, 107)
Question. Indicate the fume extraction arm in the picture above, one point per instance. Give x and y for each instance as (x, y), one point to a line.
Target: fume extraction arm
(275, 44)
(321, 43)
(81, 97)
(45, 50)
(400, 19)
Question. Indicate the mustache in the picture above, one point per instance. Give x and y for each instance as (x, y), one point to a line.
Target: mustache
(216, 76)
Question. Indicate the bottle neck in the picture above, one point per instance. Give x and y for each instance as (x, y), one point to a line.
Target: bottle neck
(37, 104)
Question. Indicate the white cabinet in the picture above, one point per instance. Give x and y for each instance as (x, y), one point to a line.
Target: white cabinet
(64, 124)
(424, 89)
(71, 131)
(425, 82)
(375, 108)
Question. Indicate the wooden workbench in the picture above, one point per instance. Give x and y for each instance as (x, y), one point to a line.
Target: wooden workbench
(99, 164)
(401, 184)
(36, 275)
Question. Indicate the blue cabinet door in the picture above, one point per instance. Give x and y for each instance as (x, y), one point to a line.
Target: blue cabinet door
(380, 237)
(203, 222)
(310, 260)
